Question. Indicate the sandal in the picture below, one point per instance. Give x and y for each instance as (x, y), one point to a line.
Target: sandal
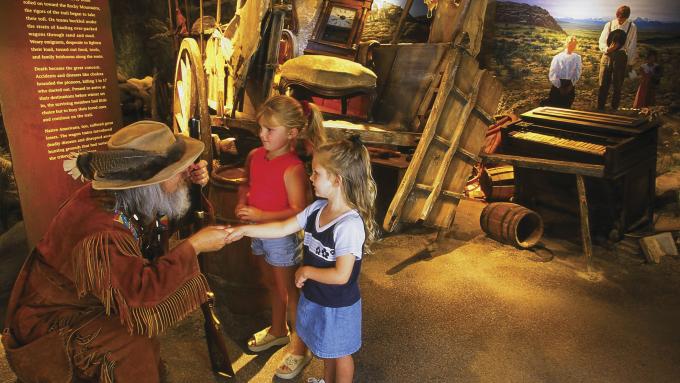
(263, 340)
(292, 365)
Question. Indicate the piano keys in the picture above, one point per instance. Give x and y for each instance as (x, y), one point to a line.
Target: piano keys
(620, 200)
(560, 142)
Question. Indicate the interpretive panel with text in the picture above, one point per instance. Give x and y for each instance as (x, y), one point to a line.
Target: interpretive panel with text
(59, 95)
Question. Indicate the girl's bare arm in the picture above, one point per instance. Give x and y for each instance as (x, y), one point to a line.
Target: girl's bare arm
(275, 229)
(338, 275)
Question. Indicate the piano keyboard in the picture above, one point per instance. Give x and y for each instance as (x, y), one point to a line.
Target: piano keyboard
(566, 143)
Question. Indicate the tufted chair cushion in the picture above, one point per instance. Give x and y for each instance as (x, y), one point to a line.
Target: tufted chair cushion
(332, 73)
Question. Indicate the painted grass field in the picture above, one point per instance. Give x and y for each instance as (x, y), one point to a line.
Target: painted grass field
(522, 55)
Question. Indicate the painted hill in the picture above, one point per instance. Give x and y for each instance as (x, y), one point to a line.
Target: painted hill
(519, 13)
(380, 25)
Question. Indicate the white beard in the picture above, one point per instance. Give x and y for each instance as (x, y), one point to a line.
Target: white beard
(152, 201)
(178, 203)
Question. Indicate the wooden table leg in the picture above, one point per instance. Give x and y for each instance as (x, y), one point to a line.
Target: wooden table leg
(585, 225)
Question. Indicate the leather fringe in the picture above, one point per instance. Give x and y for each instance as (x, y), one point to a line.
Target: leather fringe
(88, 359)
(106, 370)
(152, 321)
(93, 275)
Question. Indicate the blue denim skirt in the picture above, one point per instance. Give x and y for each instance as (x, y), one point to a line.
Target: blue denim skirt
(329, 332)
(280, 252)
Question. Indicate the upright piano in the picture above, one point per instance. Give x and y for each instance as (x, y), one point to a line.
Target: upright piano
(620, 150)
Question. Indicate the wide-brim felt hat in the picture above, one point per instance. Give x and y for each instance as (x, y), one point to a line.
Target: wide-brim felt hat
(140, 154)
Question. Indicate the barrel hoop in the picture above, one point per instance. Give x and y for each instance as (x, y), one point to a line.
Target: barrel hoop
(502, 220)
(483, 218)
(519, 215)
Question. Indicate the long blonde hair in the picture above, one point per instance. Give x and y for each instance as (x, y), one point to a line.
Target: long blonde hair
(349, 159)
(292, 114)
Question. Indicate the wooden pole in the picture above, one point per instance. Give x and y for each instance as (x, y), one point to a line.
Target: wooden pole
(272, 61)
(186, 10)
(585, 225)
(402, 19)
(171, 26)
(200, 20)
(218, 17)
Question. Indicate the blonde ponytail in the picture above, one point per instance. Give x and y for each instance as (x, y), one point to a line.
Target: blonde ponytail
(350, 160)
(315, 131)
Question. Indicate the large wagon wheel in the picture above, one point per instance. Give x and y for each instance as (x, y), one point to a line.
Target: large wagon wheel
(189, 96)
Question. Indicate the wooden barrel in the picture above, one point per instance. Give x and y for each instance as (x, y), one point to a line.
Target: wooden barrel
(239, 276)
(498, 184)
(512, 224)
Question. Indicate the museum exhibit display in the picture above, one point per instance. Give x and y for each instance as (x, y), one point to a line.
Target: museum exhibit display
(339, 191)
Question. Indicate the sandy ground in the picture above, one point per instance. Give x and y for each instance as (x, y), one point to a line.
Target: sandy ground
(479, 311)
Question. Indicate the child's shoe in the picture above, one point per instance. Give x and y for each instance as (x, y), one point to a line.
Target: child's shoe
(263, 340)
(292, 365)
(315, 380)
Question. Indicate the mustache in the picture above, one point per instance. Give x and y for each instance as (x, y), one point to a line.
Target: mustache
(152, 201)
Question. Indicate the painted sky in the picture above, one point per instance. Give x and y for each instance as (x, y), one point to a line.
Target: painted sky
(661, 10)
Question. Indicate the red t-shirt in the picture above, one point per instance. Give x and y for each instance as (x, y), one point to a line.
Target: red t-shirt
(267, 187)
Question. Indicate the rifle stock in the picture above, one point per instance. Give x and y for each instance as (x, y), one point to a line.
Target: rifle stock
(217, 347)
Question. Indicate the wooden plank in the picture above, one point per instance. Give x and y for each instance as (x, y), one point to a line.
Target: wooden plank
(468, 156)
(472, 139)
(452, 18)
(431, 91)
(394, 211)
(454, 135)
(481, 113)
(549, 165)
(453, 147)
(371, 133)
(589, 120)
(585, 223)
(405, 72)
(614, 119)
(448, 21)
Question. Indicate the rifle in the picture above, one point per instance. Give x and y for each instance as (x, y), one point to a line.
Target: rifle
(217, 347)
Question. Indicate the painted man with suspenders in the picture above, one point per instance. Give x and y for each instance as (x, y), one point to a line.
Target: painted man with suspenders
(618, 43)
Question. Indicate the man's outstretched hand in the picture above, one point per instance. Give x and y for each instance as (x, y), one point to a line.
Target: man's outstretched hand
(210, 238)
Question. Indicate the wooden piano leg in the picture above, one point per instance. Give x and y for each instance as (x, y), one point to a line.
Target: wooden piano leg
(585, 224)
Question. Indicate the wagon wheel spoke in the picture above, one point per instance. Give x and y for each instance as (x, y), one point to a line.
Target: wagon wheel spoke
(189, 95)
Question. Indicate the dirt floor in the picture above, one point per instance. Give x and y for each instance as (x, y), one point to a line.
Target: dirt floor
(478, 311)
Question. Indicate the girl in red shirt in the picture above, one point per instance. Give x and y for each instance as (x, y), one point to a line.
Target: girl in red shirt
(277, 189)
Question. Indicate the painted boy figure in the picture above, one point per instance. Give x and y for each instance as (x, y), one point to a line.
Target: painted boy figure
(618, 43)
(565, 70)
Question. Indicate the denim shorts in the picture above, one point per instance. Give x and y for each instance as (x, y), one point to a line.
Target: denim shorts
(282, 252)
(329, 332)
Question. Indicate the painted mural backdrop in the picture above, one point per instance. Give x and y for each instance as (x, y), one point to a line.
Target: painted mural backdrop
(527, 36)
